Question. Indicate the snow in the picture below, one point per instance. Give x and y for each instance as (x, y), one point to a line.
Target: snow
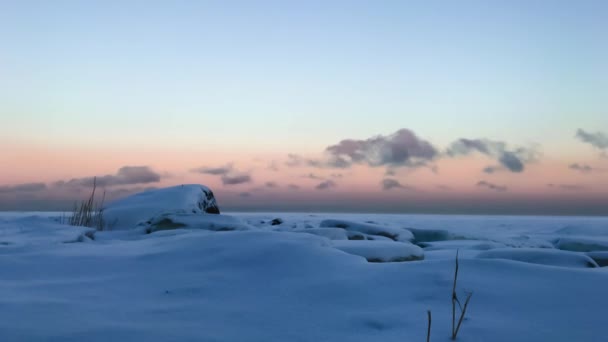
(541, 257)
(139, 208)
(35, 230)
(381, 251)
(393, 233)
(582, 244)
(237, 277)
(601, 258)
(330, 233)
(194, 221)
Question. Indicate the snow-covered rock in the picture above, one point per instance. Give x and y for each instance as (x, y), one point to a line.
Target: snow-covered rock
(396, 234)
(575, 244)
(381, 251)
(139, 209)
(550, 257)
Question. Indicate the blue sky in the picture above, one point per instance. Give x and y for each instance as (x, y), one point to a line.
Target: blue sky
(278, 77)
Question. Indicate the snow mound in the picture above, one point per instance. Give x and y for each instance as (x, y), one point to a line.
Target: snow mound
(330, 233)
(216, 223)
(381, 251)
(461, 244)
(581, 244)
(549, 257)
(138, 209)
(40, 231)
(396, 234)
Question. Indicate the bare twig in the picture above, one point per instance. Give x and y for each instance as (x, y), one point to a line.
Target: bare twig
(463, 312)
(428, 331)
(455, 300)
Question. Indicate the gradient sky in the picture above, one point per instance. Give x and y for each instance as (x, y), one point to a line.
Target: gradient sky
(174, 89)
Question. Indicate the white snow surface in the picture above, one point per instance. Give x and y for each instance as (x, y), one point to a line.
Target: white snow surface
(293, 282)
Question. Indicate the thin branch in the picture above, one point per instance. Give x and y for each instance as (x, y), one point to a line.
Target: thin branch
(464, 311)
(428, 331)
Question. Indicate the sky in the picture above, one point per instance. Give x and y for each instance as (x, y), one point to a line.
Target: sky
(482, 107)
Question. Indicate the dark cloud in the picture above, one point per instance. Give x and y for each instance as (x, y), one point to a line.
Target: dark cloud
(489, 169)
(400, 149)
(295, 160)
(491, 186)
(25, 187)
(581, 167)
(126, 175)
(245, 194)
(293, 187)
(229, 175)
(123, 192)
(271, 185)
(568, 187)
(216, 171)
(313, 176)
(328, 184)
(598, 140)
(390, 183)
(512, 160)
(235, 179)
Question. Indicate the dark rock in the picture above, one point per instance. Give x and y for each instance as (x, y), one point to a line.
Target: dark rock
(277, 221)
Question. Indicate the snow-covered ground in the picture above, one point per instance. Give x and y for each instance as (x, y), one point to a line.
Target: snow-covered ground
(306, 277)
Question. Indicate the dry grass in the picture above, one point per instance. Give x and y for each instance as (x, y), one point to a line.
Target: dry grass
(463, 308)
(89, 213)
